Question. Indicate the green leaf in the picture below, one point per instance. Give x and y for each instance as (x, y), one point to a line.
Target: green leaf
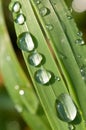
(54, 44)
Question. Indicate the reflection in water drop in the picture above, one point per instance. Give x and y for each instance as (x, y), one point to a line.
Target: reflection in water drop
(65, 108)
(20, 19)
(35, 59)
(43, 76)
(25, 42)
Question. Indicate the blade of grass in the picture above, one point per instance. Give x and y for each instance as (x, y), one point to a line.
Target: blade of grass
(47, 94)
(19, 88)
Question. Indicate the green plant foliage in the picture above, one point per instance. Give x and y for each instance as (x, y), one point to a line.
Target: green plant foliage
(54, 52)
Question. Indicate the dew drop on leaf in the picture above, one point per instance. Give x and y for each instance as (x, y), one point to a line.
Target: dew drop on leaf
(80, 34)
(69, 17)
(44, 11)
(35, 59)
(20, 19)
(25, 42)
(83, 72)
(43, 76)
(49, 26)
(80, 41)
(65, 107)
(16, 87)
(21, 92)
(15, 6)
(38, 1)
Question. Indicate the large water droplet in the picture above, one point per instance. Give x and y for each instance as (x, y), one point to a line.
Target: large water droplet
(71, 127)
(19, 108)
(21, 92)
(43, 76)
(15, 6)
(20, 19)
(35, 59)
(80, 41)
(44, 11)
(49, 26)
(66, 108)
(25, 42)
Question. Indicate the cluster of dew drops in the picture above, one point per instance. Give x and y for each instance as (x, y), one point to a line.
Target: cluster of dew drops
(65, 107)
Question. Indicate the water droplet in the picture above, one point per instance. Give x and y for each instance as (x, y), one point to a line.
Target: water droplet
(35, 59)
(49, 26)
(66, 108)
(80, 34)
(25, 42)
(20, 19)
(21, 92)
(44, 11)
(15, 6)
(69, 17)
(38, 1)
(83, 72)
(43, 76)
(71, 127)
(57, 78)
(19, 108)
(16, 87)
(80, 41)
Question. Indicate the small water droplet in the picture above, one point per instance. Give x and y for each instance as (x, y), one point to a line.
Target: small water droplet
(20, 19)
(65, 108)
(49, 26)
(21, 92)
(57, 78)
(44, 11)
(80, 41)
(69, 17)
(83, 72)
(25, 42)
(80, 34)
(16, 87)
(71, 127)
(19, 108)
(43, 76)
(35, 59)
(38, 1)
